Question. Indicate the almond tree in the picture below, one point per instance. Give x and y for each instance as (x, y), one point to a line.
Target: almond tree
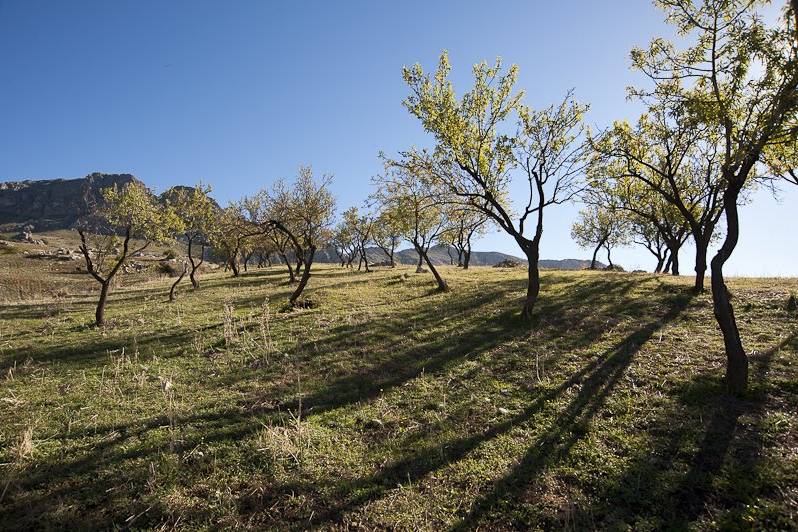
(387, 233)
(464, 225)
(602, 228)
(477, 154)
(420, 213)
(740, 76)
(229, 235)
(198, 213)
(343, 240)
(131, 212)
(676, 159)
(302, 213)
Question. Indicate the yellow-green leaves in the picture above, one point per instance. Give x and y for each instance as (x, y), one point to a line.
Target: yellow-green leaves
(133, 207)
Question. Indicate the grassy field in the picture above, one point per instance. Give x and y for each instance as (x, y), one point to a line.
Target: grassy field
(393, 406)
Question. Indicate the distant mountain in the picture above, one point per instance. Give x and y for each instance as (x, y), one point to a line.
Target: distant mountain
(52, 203)
(440, 255)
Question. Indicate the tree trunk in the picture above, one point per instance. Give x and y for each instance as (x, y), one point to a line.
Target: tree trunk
(194, 265)
(305, 277)
(291, 276)
(298, 266)
(595, 253)
(234, 266)
(660, 261)
(442, 286)
(420, 259)
(533, 283)
(174, 285)
(99, 314)
(466, 258)
(609, 258)
(365, 259)
(701, 245)
(736, 359)
(674, 260)
(393, 264)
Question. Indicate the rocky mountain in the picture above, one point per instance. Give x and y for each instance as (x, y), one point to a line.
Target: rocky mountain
(50, 204)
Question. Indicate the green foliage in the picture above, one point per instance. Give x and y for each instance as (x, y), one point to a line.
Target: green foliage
(196, 211)
(134, 208)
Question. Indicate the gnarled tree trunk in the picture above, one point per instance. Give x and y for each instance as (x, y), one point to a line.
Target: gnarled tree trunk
(174, 285)
(736, 359)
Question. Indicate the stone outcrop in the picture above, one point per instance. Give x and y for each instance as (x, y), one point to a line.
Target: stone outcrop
(52, 203)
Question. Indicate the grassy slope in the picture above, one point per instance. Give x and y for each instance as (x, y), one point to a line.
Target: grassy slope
(391, 405)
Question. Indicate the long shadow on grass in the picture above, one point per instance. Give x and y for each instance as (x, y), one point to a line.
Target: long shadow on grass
(116, 459)
(670, 484)
(461, 328)
(596, 380)
(572, 424)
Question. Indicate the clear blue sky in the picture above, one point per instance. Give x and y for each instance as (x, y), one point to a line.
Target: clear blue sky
(239, 93)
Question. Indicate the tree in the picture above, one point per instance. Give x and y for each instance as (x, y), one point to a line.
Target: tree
(738, 75)
(646, 234)
(602, 228)
(476, 158)
(418, 208)
(343, 240)
(197, 211)
(387, 232)
(464, 225)
(229, 235)
(640, 202)
(131, 212)
(303, 214)
(358, 228)
(675, 158)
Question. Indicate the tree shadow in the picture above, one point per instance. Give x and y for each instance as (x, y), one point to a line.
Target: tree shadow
(670, 485)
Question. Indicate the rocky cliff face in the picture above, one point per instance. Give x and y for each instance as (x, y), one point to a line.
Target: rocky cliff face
(52, 203)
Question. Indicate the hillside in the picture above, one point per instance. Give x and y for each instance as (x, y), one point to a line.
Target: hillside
(391, 406)
(50, 204)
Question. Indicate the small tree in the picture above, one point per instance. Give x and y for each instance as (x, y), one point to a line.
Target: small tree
(600, 228)
(387, 232)
(419, 210)
(230, 234)
(343, 240)
(198, 213)
(464, 225)
(646, 234)
(131, 212)
(304, 215)
(677, 160)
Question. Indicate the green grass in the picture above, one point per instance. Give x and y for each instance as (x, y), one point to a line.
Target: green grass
(392, 405)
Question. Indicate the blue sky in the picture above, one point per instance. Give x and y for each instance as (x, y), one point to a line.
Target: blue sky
(237, 94)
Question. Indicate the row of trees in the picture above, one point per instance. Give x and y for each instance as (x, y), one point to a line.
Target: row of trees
(720, 119)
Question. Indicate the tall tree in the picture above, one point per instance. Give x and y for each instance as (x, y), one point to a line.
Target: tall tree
(740, 75)
(131, 212)
(477, 156)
